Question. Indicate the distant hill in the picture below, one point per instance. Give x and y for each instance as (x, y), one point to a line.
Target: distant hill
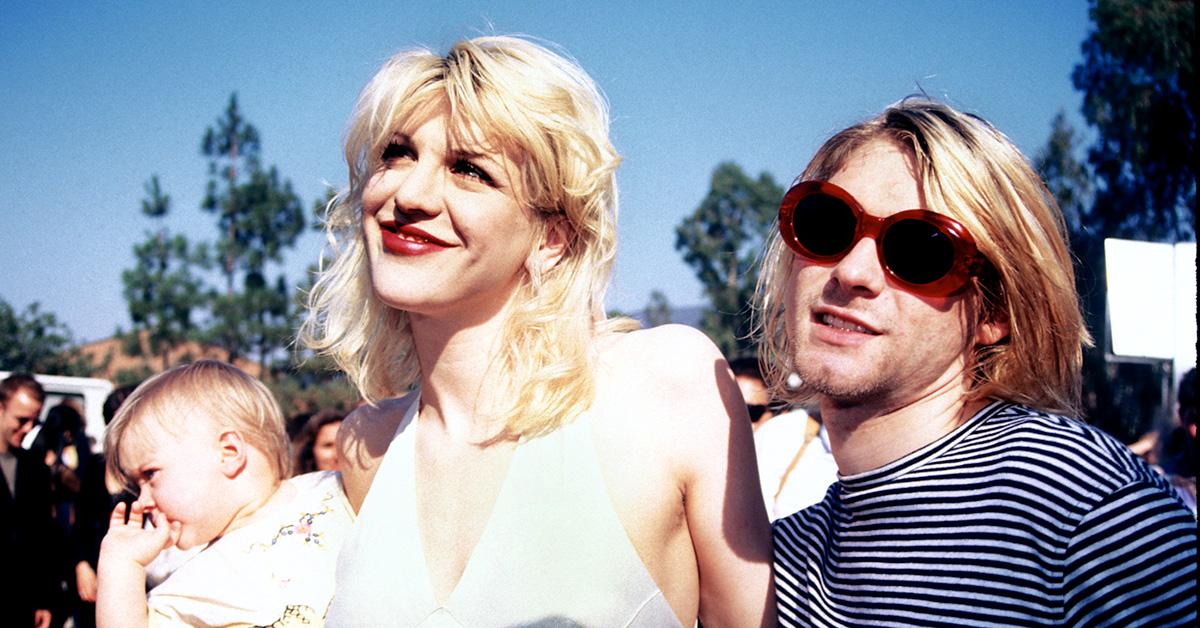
(115, 365)
(684, 315)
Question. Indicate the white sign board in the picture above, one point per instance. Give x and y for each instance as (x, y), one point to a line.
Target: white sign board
(1152, 300)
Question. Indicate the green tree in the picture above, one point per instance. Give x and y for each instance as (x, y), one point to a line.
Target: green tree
(1139, 93)
(258, 217)
(163, 289)
(1139, 96)
(1066, 177)
(722, 241)
(320, 208)
(1113, 393)
(35, 341)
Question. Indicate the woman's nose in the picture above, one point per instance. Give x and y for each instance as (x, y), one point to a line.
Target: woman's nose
(419, 190)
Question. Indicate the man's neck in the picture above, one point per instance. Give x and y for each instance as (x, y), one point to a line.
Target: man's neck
(869, 436)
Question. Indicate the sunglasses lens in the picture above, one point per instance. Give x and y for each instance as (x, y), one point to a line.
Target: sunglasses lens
(917, 251)
(824, 225)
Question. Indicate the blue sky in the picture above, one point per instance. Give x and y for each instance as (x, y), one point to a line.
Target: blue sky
(100, 96)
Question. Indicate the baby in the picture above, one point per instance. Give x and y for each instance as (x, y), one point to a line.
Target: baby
(204, 447)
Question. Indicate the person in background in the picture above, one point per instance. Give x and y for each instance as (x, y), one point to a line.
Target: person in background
(113, 401)
(81, 505)
(921, 286)
(1178, 454)
(205, 445)
(25, 510)
(316, 444)
(795, 465)
(295, 425)
(524, 459)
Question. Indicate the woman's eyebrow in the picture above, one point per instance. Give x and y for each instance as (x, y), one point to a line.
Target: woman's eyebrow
(474, 153)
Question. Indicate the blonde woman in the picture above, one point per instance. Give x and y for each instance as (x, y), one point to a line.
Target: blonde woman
(524, 460)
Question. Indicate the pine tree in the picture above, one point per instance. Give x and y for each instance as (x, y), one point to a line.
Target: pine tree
(163, 289)
(258, 217)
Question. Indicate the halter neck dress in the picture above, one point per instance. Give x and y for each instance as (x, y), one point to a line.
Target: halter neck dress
(553, 552)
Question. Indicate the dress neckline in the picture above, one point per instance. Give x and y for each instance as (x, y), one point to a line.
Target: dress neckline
(421, 556)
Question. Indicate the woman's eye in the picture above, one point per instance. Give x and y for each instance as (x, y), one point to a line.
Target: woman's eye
(467, 169)
(394, 151)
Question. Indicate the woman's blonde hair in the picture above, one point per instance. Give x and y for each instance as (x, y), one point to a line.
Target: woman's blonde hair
(205, 390)
(970, 171)
(522, 97)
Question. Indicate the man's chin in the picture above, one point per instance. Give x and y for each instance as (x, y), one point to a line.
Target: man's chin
(838, 389)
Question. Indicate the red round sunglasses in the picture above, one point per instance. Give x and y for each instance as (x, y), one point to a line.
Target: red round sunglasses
(925, 252)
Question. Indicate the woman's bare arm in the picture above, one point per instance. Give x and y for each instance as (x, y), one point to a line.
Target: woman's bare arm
(678, 385)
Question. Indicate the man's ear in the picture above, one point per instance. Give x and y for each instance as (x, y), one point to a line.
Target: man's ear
(233, 452)
(990, 332)
(554, 244)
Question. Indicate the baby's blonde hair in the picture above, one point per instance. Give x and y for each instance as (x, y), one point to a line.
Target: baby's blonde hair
(206, 390)
(971, 172)
(521, 97)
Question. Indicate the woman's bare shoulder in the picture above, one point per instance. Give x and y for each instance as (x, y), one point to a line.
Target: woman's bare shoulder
(660, 342)
(671, 355)
(363, 439)
(667, 379)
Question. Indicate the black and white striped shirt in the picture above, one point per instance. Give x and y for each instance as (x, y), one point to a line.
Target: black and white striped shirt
(1015, 518)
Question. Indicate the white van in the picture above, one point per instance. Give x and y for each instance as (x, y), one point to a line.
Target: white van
(88, 392)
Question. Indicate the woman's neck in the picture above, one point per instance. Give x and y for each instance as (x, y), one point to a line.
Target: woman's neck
(462, 385)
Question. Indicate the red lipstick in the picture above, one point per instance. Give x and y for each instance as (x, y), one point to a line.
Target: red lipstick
(409, 240)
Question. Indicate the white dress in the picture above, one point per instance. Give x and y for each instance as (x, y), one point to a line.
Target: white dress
(553, 552)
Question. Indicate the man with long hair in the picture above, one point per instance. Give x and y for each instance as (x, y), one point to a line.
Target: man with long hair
(922, 288)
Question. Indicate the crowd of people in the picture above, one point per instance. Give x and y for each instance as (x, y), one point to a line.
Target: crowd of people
(906, 450)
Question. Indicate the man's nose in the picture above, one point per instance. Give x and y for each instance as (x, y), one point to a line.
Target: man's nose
(860, 269)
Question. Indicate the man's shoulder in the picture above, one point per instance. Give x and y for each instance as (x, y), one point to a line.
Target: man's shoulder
(808, 522)
(1013, 423)
(26, 457)
(31, 470)
(1048, 444)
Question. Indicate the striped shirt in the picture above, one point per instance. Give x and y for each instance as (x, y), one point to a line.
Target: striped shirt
(1017, 517)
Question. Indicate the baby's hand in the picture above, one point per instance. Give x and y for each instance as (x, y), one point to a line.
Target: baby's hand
(129, 540)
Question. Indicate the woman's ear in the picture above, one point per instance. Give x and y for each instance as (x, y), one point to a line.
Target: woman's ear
(554, 244)
(233, 452)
